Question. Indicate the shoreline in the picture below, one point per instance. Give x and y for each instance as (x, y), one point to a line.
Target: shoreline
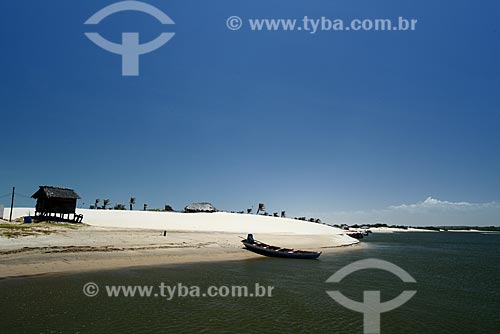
(111, 239)
(399, 230)
(146, 260)
(89, 248)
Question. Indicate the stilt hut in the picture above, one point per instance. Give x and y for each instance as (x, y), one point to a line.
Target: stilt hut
(56, 202)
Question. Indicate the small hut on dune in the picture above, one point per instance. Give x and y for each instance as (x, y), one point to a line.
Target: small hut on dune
(56, 202)
(200, 207)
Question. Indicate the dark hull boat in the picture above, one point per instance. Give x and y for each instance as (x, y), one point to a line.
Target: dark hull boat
(267, 250)
(355, 235)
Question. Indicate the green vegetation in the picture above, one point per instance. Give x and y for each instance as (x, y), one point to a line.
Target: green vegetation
(432, 228)
(15, 230)
(11, 226)
(57, 224)
(466, 228)
(10, 230)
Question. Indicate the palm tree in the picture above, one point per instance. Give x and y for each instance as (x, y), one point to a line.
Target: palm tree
(97, 200)
(105, 203)
(131, 203)
(261, 208)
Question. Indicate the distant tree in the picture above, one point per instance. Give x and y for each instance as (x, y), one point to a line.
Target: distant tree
(96, 205)
(145, 206)
(249, 210)
(105, 203)
(131, 203)
(283, 214)
(168, 208)
(261, 208)
(119, 207)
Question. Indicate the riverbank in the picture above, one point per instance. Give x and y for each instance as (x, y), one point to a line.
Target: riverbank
(452, 285)
(397, 230)
(128, 239)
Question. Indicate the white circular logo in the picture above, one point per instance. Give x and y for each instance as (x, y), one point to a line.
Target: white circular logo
(234, 22)
(371, 307)
(90, 289)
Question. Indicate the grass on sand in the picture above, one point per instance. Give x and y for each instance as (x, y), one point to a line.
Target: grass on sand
(15, 230)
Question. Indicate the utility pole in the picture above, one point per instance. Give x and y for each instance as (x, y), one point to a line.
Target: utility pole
(12, 203)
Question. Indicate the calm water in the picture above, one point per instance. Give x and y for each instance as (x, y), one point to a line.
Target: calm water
(458, 284)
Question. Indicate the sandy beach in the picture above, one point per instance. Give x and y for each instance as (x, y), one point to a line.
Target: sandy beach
(115, 239)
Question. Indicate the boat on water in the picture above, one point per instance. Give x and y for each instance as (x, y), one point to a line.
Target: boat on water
(275, 251)
(355, 234)
(358, 234)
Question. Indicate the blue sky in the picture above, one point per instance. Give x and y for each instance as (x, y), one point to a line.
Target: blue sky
(326, 124)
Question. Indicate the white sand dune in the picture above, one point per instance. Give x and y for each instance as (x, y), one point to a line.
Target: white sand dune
(196, 222)
(131, 238)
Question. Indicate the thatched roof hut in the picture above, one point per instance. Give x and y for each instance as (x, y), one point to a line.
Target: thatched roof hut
(55, 200)
(55, 192)
(200, 207)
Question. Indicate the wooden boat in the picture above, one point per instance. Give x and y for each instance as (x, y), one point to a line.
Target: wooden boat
(355, 234)
(267, 250)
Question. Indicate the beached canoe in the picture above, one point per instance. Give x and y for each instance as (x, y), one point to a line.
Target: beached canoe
(267, 250)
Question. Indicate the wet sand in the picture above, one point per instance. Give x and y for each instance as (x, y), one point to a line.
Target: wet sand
(62, 249)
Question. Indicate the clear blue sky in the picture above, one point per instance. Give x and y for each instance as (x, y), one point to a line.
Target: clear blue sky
(335, 121)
